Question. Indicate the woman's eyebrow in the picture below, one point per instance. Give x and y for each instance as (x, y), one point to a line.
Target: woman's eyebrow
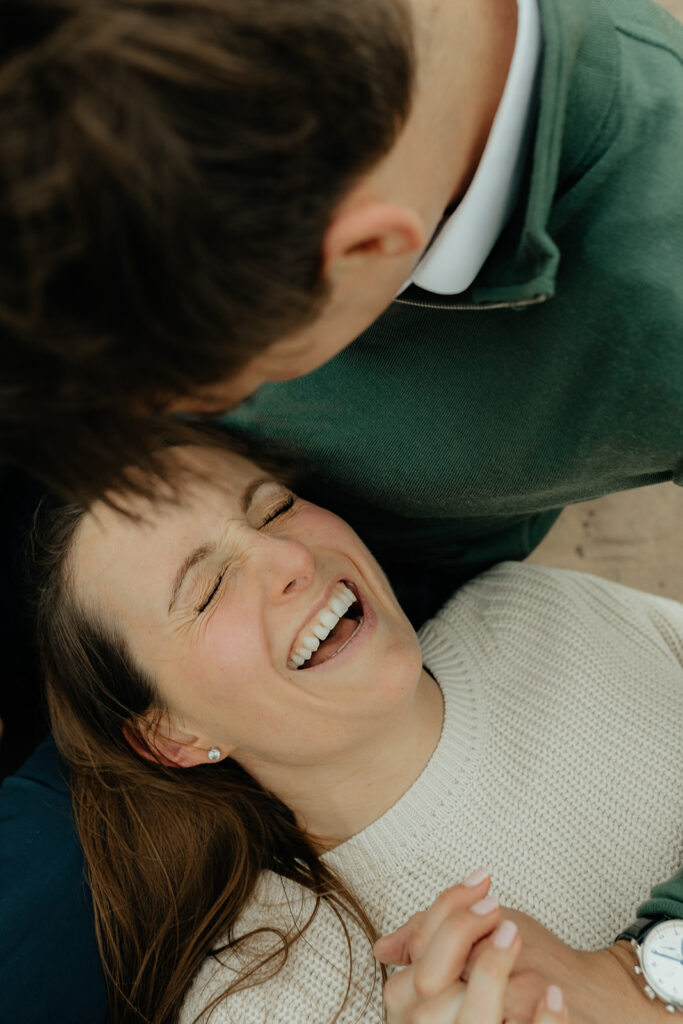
(195, 556)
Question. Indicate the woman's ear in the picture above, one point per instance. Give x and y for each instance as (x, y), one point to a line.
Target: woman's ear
(156, 740)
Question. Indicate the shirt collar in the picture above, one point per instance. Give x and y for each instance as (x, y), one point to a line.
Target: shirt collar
(464, 240)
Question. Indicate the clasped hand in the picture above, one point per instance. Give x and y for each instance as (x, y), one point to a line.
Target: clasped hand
(434, 949)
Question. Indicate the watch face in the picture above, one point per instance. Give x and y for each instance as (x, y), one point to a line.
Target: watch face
(662, 958)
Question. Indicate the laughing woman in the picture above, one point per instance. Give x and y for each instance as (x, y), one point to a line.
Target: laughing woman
(269, 770)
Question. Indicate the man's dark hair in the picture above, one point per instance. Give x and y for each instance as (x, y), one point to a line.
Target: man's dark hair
(167, 172)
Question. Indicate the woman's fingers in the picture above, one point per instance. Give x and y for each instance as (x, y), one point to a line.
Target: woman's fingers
(483, 1002)
(444, 958)
(441, 963)
(395, 948)
(409, 942)
(441, 1009)
(435, 946)
(552, 1009)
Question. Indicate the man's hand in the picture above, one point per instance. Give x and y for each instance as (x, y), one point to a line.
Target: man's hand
(600, 987)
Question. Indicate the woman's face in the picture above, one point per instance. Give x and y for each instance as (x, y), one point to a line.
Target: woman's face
(217, 595)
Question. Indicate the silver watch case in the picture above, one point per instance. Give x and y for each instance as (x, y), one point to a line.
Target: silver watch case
(653, 990)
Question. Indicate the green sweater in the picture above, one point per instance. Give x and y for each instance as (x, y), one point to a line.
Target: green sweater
(452, 431)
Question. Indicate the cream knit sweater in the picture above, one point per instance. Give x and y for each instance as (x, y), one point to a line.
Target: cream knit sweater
(559, 769)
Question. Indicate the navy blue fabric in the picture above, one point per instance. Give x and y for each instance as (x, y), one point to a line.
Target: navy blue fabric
(49, 966)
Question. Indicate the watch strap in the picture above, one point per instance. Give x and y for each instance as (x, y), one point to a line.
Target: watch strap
(639, 929)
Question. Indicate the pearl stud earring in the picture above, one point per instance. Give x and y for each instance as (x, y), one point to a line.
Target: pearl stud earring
(214, 754)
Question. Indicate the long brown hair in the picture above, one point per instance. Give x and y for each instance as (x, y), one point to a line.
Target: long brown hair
(168, 169)
(172, 855)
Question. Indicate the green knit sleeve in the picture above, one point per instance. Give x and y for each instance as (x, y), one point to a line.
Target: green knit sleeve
(666, 898)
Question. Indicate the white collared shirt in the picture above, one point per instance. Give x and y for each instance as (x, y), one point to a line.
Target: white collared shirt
(464, 241)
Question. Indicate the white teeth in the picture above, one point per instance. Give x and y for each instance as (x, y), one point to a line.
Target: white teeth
(338, 606)
(341, 600)
(329, 619)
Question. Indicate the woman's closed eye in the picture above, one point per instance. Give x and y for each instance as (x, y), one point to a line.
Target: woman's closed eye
(284, 505)
(212, 593)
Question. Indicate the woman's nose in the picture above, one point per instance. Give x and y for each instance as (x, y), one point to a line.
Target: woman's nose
(288, 566)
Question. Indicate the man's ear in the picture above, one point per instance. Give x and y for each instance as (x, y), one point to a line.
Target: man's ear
(372, 229)
(155, 739)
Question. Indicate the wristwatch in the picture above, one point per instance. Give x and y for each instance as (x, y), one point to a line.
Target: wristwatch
(659, 946)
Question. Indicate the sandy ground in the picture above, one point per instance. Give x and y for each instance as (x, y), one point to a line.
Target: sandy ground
(634, 537)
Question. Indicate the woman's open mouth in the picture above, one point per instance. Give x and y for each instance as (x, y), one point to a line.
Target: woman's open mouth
(330, 629)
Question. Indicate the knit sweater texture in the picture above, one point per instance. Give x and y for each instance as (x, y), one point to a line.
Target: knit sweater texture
(558, 769)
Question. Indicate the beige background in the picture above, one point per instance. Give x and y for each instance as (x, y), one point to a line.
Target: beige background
(633, 537)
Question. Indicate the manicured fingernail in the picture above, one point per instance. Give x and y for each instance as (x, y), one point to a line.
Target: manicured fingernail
(476, 877)
(505, 935)
(485, 906)
(554, 999)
